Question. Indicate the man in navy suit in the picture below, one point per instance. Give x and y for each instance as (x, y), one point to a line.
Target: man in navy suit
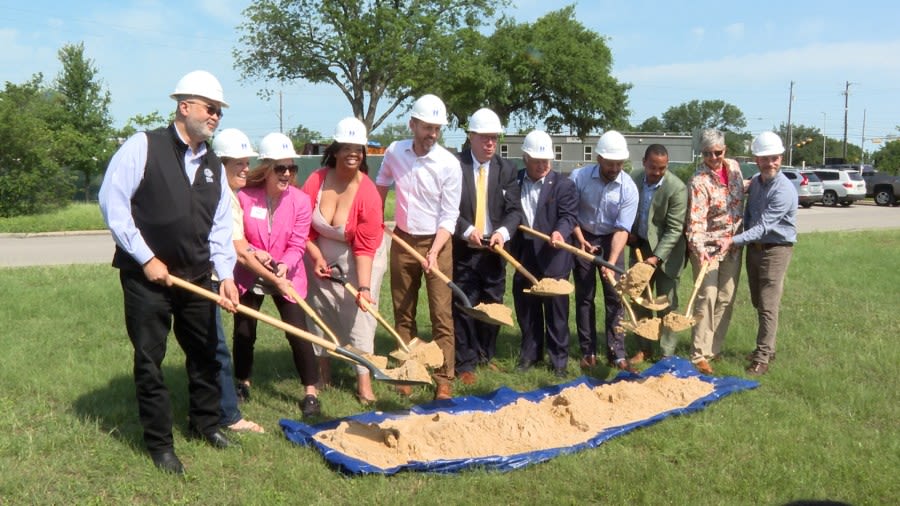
(549, 205)
(489, 211)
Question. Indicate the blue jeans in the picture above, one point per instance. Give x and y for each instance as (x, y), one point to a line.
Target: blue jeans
(228, 405)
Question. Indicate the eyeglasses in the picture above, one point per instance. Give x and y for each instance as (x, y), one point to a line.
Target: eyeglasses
(279, 169)
(210, 109)
(716, 153)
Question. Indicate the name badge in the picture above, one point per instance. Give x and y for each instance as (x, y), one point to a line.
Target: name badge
(258, 213)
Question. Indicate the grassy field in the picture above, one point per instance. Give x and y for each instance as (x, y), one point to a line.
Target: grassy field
(823, 424)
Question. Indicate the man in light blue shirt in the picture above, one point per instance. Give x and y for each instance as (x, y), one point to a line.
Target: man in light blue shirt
(607, 205)
(770, 231)
(164, 198)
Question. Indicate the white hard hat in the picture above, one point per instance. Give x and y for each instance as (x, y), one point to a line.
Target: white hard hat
(538, 145)
(485, 121)
(200, 83)
(767, 143)
(276, 146)
(612, 146)
(430, 109)
(232, 143)
(351, 131)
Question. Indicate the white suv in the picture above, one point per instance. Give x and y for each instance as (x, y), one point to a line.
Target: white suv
(809, 187)
(841, 186)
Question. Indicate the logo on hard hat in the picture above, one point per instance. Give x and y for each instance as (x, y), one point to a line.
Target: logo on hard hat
(436, 113)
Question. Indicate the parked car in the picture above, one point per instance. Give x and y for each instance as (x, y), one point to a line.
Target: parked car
(809, 187)
(883, 188)
(841, 186)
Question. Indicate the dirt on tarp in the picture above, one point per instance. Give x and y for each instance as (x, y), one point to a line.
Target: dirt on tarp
(551, 287)
(571, 417)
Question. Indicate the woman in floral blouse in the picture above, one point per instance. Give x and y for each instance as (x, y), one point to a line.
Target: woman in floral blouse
(716, 210)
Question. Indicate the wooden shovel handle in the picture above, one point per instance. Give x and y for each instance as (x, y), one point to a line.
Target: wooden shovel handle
(312, 314)
(595, 259)
(418, 256)
(515, 263)
(368, 307)
(625, 303)
(700, 276)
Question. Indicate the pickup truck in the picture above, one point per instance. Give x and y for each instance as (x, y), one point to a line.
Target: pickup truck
(884, 188)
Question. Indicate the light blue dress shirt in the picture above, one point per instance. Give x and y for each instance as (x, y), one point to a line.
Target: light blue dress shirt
(604, 207)
(771, 213)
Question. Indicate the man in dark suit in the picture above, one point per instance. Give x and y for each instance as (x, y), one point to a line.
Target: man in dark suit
(659, 234)
(489, 211)
(549, 205)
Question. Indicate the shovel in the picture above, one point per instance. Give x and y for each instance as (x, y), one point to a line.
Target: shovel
(428, 353)
(378, 374)
(652, 303)
(678, 322)
(633, 281)
(502, 315)
(547, 287)
(647, 328)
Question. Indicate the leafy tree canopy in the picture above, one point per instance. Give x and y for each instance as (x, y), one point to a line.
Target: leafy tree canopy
(698, 114)
(554, 71)
(378, 53)
(390, 133)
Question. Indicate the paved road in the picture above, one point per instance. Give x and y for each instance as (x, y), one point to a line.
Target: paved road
(17, 250)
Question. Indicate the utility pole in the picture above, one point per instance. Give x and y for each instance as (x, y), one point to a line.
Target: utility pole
(846, 102)
(790, 131)
(280, 113)
(824, 139)
(863, 142)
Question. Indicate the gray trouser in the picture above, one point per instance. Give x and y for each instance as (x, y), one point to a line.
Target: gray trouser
(766, 269)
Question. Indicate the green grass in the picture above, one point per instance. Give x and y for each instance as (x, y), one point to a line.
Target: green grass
(823, 423)
(76, 216)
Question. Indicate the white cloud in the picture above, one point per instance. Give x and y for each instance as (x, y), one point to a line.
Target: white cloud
(735, 31)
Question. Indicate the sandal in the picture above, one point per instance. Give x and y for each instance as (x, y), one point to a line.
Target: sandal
(365, 401)
(244, 425)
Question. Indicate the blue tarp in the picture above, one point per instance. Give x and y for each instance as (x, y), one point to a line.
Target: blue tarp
(304, 434)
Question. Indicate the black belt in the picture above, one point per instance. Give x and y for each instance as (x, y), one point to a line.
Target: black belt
(759, 246)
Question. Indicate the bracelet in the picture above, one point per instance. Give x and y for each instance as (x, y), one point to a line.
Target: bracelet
(363, 289)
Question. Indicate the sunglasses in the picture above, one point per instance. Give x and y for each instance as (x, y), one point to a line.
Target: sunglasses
(717, 154)
(210, 109)
(282, 168)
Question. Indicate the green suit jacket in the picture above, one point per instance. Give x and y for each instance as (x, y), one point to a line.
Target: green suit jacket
(665, 230)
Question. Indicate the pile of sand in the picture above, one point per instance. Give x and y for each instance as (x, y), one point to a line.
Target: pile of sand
(645, 327)
(551, 287)
(573, 416)
(678, 322)
(410, 370)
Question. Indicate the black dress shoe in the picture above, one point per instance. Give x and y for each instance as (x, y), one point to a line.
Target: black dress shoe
(168, 462)
(310, 406)
(757, 368)
(560, 373)
(523, 367)
(215, 438)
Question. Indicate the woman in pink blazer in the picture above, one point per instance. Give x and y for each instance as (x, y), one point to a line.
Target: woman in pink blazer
(276, 220)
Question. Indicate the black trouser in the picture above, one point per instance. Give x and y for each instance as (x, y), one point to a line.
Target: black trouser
(149, 312)
(245, 339)
(585, 276)
(540, 316)
(481, 275)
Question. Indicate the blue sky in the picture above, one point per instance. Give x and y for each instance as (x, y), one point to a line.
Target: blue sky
(671, 52)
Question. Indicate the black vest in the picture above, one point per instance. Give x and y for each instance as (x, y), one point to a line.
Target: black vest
(175, 217)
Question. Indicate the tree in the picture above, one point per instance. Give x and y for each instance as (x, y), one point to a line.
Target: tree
(31, 181)
(807, 146)
(301, 135)
(142, 123)
(698, 114)
(652, 124)
(887, 159)
(390, 133)
(374, 51)
(85, 129)
(555, 70)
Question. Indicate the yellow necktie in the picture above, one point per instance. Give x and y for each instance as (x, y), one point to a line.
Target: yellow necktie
(480, 200)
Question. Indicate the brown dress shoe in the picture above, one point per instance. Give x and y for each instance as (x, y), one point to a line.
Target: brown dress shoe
(404, 390)
(641, 356)
(468, 377)
(588, 361)
(623, 365)
(443, 392)
(757, 368)
(703, 366)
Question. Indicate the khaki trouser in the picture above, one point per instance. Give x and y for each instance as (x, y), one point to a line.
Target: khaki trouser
(714, 305)
(406, 278)
(766, 269)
